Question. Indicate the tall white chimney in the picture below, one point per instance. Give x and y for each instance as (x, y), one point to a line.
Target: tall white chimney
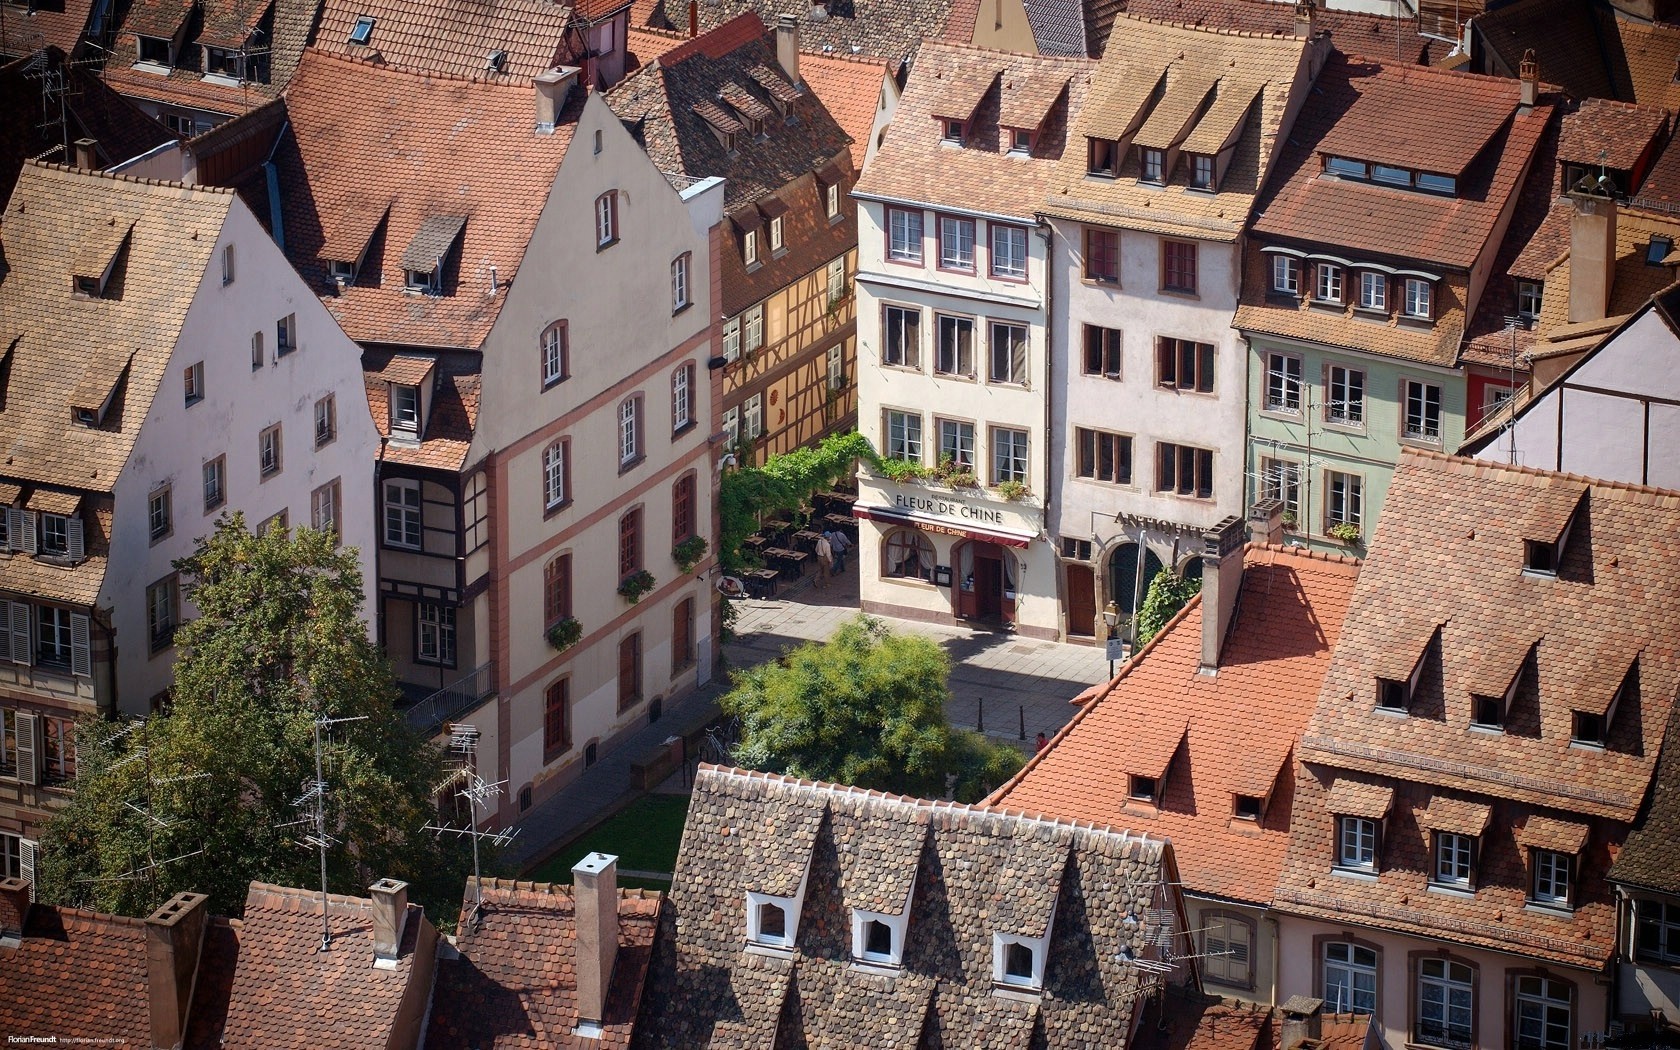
(390, 915)
(1528, 73)
(595, 897)
(1222, 572)
(552, 89)
(1592, 255)
(787, 45)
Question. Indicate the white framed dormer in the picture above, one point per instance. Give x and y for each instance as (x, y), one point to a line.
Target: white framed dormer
(878, 937)
(773, 921)
(1018, 962)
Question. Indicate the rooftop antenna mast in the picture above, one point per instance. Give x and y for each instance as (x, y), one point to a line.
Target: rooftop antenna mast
(313, 802)
(463, 740)
(142, 752)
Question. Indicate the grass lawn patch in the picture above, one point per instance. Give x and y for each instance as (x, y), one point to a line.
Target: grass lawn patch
(643, 835)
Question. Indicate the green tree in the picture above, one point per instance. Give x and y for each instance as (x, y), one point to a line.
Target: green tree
(205, 797)
(1167, 593)
(784, 483)
(865, 708)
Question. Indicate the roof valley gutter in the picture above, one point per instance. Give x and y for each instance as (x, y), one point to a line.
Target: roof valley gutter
(276, 221)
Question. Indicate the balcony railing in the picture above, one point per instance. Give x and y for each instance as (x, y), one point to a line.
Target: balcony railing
(456, 698)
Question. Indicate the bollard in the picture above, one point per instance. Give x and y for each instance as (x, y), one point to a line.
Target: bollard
(1023, 709)
(980, 713)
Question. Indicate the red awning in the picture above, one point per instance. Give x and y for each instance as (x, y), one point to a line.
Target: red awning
(927, 524)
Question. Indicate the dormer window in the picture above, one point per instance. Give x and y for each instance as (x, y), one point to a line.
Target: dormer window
(1356, 843)
(1586, 728)
(362, 32)
(1551, 878)
(953, 130)
(405, 409)
(1530, 294)
(1552, 846)
(1201, 171)
(1345, 167)
(1420, 299)
(85, 417)
(771, 920)
(1487, 712)
(1431, 183)
(1390, 176)
(1103, 157)
(749, 247)
(1020, 140)
(1247, 807)
(1152, 165)
(755, 126)
(342, 270)
(496, 63)
(422, 281)
(1657, 250)
(1539, 558)
(1142, 788)
(1391, 695)
(221, 61)
(86, 287)
(1017, 963)
(1328, 287)
(877, 941)
(878, 937)
(157, 50)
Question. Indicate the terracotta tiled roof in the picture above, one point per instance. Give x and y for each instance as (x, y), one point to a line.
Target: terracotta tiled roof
(288, 992)
(26, 30)
(157, 18)
(850, 89)
(1184, 1019)
(1450, 546)
(1242, 727)
(914, 165)
(451, 37)
(1584, 46)
(454, 409)
(966, 865)
(1375, 35)
(513, 982)
(424, 146)
(230, 23)
(1616, 134)
(1219, 87)
(221, 25)
(1546, 258)
(1303, 205)
(1651, 856)
(886, 29)
(171, 231)
(77, 972)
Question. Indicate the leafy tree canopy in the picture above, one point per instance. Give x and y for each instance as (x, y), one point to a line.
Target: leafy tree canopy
(785, 482)
(1168, 592)
(865, 708)
(205, 798)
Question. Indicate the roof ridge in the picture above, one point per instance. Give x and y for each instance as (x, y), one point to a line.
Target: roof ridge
(695, 45)
(305, 895)
(1251, 34)
(846, 56)
(415, 74)
(1596, 484)
(136, 180)
(1307, 553)
(1391, 65)
(977, 809)
(1039, 61)
(64, 910)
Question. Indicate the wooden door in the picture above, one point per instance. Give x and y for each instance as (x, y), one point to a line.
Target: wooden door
(1081, 601)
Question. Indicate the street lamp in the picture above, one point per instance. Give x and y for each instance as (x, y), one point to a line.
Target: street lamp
(1111, 616)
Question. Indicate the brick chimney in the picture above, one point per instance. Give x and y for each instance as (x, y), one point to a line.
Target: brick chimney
(1265, 522)
(174, 935)
(390, 915)
(1306, 12)
(693, 18)
(1529, 81)
(595, 896)
(1222, 571)
(1303, 1022)
(14, 909)
(87, 154)
(552, 89)
(1592, 255)
(787, 45)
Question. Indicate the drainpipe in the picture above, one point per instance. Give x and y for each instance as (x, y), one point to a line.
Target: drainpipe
(276, 221)
(1277, 955)
(1047, 234)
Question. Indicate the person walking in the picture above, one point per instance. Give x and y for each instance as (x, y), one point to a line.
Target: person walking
(838, 542)
(825, 560)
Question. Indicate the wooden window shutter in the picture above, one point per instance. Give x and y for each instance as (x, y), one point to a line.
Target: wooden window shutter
(73, 530)
(25, 530)
(26, 864)
(81, 646)
(28, 748)
(14, 528)
(19, 617)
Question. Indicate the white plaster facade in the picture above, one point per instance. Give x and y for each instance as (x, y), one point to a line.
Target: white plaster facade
(976, 527)
(1133, 404)
(628, 344)
(239, 401)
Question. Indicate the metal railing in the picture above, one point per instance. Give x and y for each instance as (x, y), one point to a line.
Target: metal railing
(459, 696)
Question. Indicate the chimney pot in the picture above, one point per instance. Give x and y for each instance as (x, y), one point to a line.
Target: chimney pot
(1529, 75)
(1303, 1022)
(787, 45)
(1265, 522)
(1222, 569)
(174, 935)
(87, 154)
(1305, 18)
(552, 88)
(595, 899)
(390, 915)
(693, 18)
(14, 908)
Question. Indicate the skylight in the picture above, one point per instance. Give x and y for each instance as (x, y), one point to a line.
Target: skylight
(363, 30)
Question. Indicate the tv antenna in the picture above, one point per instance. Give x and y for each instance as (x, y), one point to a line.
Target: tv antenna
(154, 823)
(463, 740)
(313, 803)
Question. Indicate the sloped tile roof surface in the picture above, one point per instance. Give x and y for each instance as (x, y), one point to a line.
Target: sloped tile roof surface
(914, 165)
(1585, 47)
(1242, 727)
(1616, 134)
(1058, 26)
(850, 89)
(451, 37)
(52, 24)
(287, 993)
(514, 983)
(704, 990)
(886, 29)
(1651, 855)
(1450, 544)
(454, 413)
(1378, 36)
(428, 146)
(77, 972)
(185, 84)
(230, 23)
(54, 337)
(1250, 78)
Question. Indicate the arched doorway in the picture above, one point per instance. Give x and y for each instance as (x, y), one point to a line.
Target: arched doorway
(985, 579)
(1191, 568)
(1125, 586)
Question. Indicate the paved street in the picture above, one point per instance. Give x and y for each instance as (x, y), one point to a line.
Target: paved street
(998, 677)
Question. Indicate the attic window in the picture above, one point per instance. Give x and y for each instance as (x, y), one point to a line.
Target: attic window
(1201, 171)
(496, 63)
(1017, 962)
(1141, 788)
(877, 940)
(772, 922)
(87, 287)
(405, 409)
(1587, 728)
(1487, 712)
(363, 30)
(953, 130)
(878, 937)
(1103, 157)
(1658, 250)
(1391, 694)
(1345, 167)
(224, 62)
(1247, 807)
(341, 270)
(1152, 165)
(85, 417)
(157, 50)
(1539, 557)
(419, 280)
(1020, 140)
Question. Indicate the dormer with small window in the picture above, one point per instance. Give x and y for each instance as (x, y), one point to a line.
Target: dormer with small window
(1399, 667)
(1453, 828)
(1247, 807)
(723, 126)
(1028, 887)
(878, 937)
(752, 113)
(1545, 529)
(98, 260)
(425, 261)
(1493, 688)
(94, 397)
(784, 96)
(953, 131)
(361, 33)
(1552, 850)
(1360, 810)
(1353, 168)
(158, 52)
(1102, 157)
(408, 393)
(773, 919)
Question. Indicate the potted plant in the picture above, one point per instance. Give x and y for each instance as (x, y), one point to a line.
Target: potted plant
(1345, 531)
(633, 586)
(1289, 523)
(688, 553)
(564, 634)
(1012, 490)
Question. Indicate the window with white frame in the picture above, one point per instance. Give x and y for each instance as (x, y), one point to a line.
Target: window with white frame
(836, 368)
(1373, 290)
(1543, 1007)
(227, 264)
(1423, 411)
(1345, 403)
(1019, 962)
(161, 601)
(1656, 936)
(1356, 843)
(1530, 295)
(904, 242)
(954, 353)
(55, 534)
(901, 336)
(52, 636)
(552, 346)
(215, 483)
(1454, 858)
(1345, 500)
(831, 200)
(878, 937)
(1009, 251)
(904, 436)
(1350, 978)
(1008, 357)
(256, 350)
(1009, 455)
(1550, 884)
(777, 237)
(629, 431)
(436, 642)
(752, 417)
(402, 514)
(554, 475)
(1280, 479)
(679, 282)
(1286, 274)
(1201, 171)
(1283, 383)
(768, 921)
(405, 409)
(606, 218)
(682, 407)
(326, 420)
(956, 444)
(732, 339)
(8, 762)
(158, 517)
(1445, 1004)
(732, 424)
(749, 248)
(1329, 286)
(11, 849)
(836, 281)
(752, 329)
(1152, 165)
(193, 381)
(956, 243)
(268, 451)
(324, 502)
(1420, 298)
